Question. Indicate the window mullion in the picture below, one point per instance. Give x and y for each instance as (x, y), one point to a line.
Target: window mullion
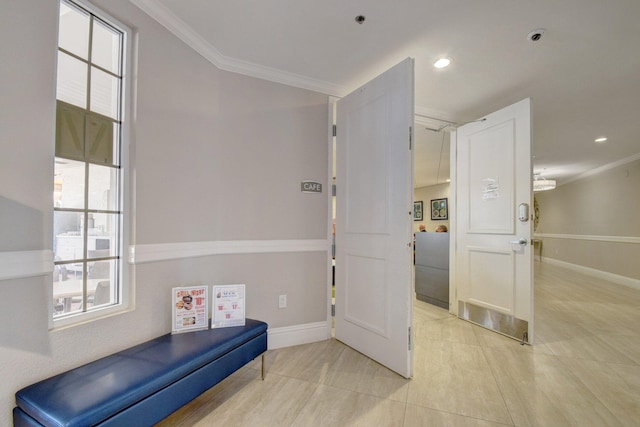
(89, 55)
(85, 229)
(99, 67)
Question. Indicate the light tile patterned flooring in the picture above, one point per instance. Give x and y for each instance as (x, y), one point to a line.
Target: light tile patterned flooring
(584, 370)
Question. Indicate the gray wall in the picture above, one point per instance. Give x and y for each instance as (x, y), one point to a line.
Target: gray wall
(216, 157)
(605, 208)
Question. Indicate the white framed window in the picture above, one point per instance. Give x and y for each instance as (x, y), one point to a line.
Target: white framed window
(90, 165)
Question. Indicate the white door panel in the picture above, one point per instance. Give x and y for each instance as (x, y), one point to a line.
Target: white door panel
(491, 283)
(494, 275)
(490, 177)
(365, 296)
(374, 190)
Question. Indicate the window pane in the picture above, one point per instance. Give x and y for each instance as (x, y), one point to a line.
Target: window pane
(72, 80)
(103, 188)
(104, 93)
(99, 270)
(73, 34)
(106, 47)
(68, 191)
(67, 291)
(68, 242)
(100, 139)
(103, 237)
(69, 131)
(99, 283)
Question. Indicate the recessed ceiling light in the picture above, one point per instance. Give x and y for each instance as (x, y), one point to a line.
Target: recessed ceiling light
(442, 63)
(601, 140)
(535, 35)
(360, 19)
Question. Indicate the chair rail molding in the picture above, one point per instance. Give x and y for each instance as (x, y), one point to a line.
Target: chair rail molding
(595, 238)
(19, 264)
(164, 251)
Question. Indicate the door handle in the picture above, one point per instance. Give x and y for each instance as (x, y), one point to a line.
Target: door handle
(521, 242)
(518, 245)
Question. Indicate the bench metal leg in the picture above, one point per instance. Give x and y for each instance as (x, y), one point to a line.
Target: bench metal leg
(262, 373)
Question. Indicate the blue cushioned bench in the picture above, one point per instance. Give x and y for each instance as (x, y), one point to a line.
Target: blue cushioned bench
(142, 384)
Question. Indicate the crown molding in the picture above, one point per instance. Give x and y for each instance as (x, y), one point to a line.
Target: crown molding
(180, 29)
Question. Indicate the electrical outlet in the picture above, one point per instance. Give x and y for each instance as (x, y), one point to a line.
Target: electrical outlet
(282, 301)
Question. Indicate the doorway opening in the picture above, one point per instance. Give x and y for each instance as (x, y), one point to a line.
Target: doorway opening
(431, 225)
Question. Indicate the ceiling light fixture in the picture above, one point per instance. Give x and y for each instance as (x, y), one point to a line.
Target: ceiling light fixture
(360, 19)
(601, 140)
(540, 183)
(442, 63)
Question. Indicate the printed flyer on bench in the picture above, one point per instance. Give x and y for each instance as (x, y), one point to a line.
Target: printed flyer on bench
(190, 309)
(228, 306)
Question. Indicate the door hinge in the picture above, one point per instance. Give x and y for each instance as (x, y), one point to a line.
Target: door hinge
(335, 130)
(409, 338)
(410, 138)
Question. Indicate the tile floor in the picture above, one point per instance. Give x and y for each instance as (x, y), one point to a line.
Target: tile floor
(584, 370)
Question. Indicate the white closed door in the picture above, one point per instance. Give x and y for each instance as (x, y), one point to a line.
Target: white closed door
(493, 255)
(374, 191)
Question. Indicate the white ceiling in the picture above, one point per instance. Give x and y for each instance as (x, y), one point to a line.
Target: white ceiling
(583, 74)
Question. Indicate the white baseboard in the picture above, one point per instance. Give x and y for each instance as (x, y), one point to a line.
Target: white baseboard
(299, 334)
(615, 278)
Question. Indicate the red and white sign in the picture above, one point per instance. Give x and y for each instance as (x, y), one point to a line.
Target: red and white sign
(190, 308)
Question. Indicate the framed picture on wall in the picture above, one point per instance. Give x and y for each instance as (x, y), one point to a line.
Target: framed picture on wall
(417, 211)
(439, 209)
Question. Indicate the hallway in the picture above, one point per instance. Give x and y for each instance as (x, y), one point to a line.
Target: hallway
(584, 370)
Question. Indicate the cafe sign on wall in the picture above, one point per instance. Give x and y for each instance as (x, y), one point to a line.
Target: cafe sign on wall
(310, 187)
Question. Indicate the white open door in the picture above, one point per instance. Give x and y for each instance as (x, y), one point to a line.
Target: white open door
(493, 256)
(374, 190)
